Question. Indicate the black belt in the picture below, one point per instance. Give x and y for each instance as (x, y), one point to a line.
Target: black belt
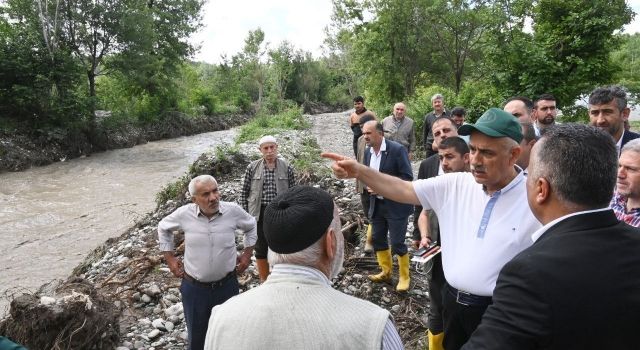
(214, 284)
(468, 299)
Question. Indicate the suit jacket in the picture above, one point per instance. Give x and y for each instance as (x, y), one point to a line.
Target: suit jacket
(395, 162)
(628, 136)
(576, 287)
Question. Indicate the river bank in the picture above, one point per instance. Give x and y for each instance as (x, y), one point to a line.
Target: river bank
(129, 272)
(22, 149)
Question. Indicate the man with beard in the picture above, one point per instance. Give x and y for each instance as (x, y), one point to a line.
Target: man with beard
(496, 225)
(454, 157)
(210, 256)
(354, 120)
(545, 112)
(388, 216)
(296, 308)
(626, 200)
(608, 111)
(437, 102)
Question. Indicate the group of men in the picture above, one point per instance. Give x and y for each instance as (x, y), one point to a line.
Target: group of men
(536, 253)
(488, 222)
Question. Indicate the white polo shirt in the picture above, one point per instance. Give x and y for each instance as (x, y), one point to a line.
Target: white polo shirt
(472, 257)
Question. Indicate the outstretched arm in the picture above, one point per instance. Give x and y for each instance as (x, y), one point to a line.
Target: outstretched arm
(385, 185)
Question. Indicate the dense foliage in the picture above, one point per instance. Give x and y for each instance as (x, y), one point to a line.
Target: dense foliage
(62, 61)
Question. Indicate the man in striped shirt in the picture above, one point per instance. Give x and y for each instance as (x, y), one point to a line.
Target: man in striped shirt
(626, 200)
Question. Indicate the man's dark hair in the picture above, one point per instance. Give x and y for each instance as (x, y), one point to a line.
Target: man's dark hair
(455, 142)
(527, 102)
(458, 111)
(439, 119)
(580, 162)
(358, 99)
(379, 128)
(528, 131)
(365, 118)
(606, 94)
(546, 97)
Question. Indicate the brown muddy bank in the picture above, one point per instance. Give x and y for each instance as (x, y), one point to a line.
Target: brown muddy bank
(20, 150)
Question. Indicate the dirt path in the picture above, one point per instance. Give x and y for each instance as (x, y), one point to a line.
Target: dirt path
(333, 134)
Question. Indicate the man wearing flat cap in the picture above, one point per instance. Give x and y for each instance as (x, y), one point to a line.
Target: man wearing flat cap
(497, 222)
(264, 179)
(296, 308)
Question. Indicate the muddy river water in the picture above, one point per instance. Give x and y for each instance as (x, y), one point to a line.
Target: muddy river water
(51, 217)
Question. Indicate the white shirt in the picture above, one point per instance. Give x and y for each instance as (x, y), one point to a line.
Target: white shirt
(619, 143)
(210, 244)
(374, 162)
(536, 235)
(472, 263)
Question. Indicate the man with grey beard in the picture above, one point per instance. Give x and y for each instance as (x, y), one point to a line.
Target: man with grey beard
(296, 308)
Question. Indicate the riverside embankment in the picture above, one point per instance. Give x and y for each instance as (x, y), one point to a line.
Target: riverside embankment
(129, 271)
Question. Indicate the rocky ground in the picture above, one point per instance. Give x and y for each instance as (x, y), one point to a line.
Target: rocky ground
(130, 273)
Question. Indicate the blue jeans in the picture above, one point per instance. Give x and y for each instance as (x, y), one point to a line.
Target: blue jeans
(198, 301)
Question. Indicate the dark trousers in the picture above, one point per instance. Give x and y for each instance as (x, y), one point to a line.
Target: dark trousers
(365, 200)
(261, 248)
(459, 320)
(385, 222)
(198, 301)
(436, 283)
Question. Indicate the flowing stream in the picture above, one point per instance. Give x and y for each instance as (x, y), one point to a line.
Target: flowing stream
(51, 217)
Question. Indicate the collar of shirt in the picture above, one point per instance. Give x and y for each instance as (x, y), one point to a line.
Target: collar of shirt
(383, 147)
(536, 235)
(516, 180)
(621, 201)
(301, 271)
(619, 143)
(221, 210)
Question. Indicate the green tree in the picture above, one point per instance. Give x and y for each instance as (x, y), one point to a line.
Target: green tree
(568, 52)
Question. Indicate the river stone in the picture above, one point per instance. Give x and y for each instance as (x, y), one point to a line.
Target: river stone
(158, 323)
(174, 319)
(169, 326)
(153, 290)
(144, 321)
(122, 348)
(154, 333)
(395, 308)
(145, 298)
(138, 345)
(44, 300)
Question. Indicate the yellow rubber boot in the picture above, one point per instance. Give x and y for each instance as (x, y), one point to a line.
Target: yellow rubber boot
(263, 269)
(435, 340)
(384, 260)
(368, 244)
(403, 267)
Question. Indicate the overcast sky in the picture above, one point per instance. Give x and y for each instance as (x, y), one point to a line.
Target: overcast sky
(301, 22)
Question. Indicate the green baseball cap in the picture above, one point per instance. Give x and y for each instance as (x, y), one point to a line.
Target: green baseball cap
(495, 123)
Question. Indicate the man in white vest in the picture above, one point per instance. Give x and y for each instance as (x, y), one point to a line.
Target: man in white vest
(264, 179)
(296, 308)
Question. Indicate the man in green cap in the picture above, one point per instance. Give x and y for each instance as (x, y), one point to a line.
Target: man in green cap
(497, 221)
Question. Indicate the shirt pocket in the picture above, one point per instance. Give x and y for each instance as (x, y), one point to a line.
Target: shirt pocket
(223, 238)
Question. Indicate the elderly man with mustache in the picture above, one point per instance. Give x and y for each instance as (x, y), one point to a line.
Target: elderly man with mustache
(497, 222)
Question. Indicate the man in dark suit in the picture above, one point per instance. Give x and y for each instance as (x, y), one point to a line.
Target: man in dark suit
(387, 216)
(578, 285)
(608, 111)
